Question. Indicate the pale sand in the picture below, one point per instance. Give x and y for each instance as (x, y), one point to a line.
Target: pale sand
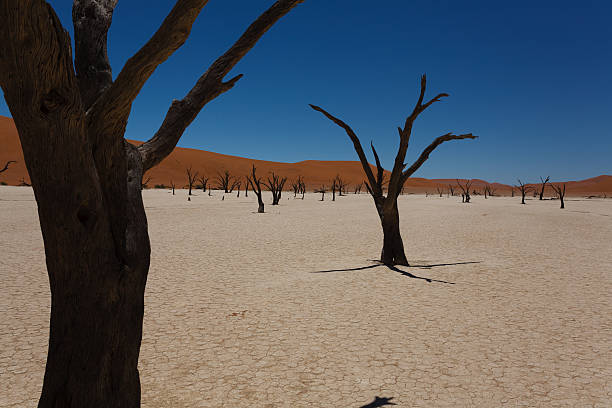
(237, 317)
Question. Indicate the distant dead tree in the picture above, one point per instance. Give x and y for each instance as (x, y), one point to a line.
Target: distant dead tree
(238, 188)
(256, 187)
(543, 186)
(296, 185)
(203, 182)
(334, 187)
(440, 190)
(386, 206)
(512, 191)
(524, 189)
(302, 187)
(226, 182)
(275, 185)
(246, 186)
(465, 197)
(451, 189)
(191, 178)
(6, 166)
(340, 185)
(358, 188)
(145, 183)
(173, 186)
(322, 190)
(560, 190)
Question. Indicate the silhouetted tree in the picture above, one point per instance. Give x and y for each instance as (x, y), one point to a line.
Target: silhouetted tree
(296, 185)
(256, 187)
(340, 185)
(191, 178)
(524, 189)
(393, 248)
(465, 197)
(512, 191)
(334, 187)
(322, 190)
(203, 182)
(71, 118)
(451, 189)
(440, 190)
(543, 186)
(302, 187)
(226, 182)
(275, 185)
(560, 190)
(173, 186)
(358, 188)
(238, 188)
(246, 186)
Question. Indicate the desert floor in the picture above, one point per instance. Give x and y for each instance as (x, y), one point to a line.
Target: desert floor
(506, 305)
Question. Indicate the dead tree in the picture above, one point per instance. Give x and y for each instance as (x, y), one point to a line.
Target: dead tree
(296, 186)
(191, 178)
(451, 189)
(543, 186)
(302, 187)
(6, 166)
(203, 182)
(173, 186)
(256, 187)
(24, 183)
(226, 182)
(144, 184)
(560, 190)
(275, 186)
(524, 189)
(246, 186)
(386, 206)
(489, 190)
(440, 190)
(358, 188)
(465, 197)
(322, 190)
(340, 185)
(334, 187)
(71, 117)
(238, 188)
(512, 191)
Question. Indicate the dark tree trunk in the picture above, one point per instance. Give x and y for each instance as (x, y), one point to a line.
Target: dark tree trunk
(562, 202)
(393, 247)
(87, 180)
(523, 197)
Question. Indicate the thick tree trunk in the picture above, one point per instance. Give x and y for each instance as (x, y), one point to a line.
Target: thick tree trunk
(393, 247)
(562, 202)
(260, 209)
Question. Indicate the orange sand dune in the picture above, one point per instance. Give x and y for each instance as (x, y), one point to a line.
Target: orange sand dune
(316, 173)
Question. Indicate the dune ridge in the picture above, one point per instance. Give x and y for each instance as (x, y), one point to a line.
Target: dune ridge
(316, 173)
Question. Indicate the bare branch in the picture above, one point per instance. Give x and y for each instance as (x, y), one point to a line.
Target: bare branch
(208, 87)
(425, 155)
(357, 145)
(379, 168)
(91, 20)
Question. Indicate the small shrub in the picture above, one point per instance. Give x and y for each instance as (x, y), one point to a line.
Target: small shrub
(161, 186)
(3, 183)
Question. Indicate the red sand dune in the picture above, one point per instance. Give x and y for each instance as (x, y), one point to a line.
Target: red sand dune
(315, 172)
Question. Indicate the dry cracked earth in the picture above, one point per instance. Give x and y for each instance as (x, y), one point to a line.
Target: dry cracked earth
(504, 305)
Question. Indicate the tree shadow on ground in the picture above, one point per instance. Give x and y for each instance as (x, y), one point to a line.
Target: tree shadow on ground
(402, 272)
(379, 402)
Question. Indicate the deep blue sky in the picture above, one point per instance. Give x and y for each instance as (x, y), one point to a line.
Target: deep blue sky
(533, 81)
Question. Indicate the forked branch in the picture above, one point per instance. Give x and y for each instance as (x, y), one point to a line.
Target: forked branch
(208, 87)
(6, 166)
(358, 148)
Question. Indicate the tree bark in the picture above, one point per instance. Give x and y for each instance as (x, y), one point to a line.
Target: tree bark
(393, 247)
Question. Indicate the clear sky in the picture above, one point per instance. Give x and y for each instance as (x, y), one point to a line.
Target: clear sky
(532, 78)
